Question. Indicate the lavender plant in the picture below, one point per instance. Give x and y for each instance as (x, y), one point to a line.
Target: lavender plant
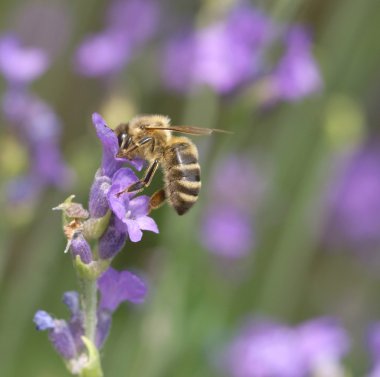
(95, 236)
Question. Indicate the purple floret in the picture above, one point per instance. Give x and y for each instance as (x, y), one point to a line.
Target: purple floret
(116, 287)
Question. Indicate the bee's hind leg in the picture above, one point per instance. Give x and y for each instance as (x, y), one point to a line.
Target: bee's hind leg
(157, 199)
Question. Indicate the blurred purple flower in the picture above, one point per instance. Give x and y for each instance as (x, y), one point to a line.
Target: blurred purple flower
(38, 127)
(227, 232)
(21, 65)
(321, 341)
(102, 54)
(374, 341)
(33, 118)
(227, 227)
(116, 287)
(136, 19)
(130, 23)
(233, 53)
(23, 189)
(297, 74)
(354, 201)
(374, 348)
(241, 172)
(265, 348)
(224, 55)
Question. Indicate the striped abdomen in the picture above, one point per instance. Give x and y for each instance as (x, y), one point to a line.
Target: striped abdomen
(182, 175)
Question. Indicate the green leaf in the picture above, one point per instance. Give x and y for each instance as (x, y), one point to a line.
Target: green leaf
(94, 228)
(92, 270)
(93, 367)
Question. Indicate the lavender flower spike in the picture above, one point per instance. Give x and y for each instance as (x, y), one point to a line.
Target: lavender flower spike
(114, 216)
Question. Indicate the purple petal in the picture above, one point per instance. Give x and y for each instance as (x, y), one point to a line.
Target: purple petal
(19, 64)
(134, 232)
(147, 223)
(110, 146)
(137, 163)
(135, 289)
(139, 206)
(116, 287)
(124, 177)
(43, 320)
(121, 180)
(71, 300)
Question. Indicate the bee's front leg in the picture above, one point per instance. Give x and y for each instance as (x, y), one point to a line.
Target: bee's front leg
(142, 183)
(125, 153)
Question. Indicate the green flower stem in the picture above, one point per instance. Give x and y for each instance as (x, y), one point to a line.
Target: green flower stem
(87, 276)
(89, 306)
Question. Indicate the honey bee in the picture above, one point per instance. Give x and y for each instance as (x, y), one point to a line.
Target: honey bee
(149, 137)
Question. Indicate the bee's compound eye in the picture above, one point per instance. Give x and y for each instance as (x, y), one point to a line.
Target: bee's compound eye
(120, 138)
(123, 140)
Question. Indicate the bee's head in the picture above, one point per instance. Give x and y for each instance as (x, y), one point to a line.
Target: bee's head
(144, 124)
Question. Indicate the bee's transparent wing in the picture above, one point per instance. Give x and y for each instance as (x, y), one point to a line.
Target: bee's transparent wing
(190, 130)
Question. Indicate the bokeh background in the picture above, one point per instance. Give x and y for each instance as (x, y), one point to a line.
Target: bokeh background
(287, 225)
